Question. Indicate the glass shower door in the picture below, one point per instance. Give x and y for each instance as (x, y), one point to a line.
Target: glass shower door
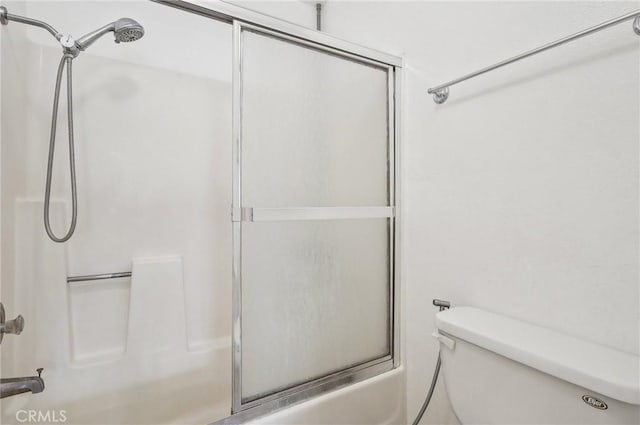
(313, 217)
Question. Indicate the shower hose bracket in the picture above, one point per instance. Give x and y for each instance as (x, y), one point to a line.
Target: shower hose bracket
(69, 46)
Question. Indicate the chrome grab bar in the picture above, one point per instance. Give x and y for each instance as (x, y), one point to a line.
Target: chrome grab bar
(104, 276)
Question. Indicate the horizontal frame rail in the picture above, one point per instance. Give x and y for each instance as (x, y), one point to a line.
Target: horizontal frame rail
(311, 213)
(318, 387)
(226, 12)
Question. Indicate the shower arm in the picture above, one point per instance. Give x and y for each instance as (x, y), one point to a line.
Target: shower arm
(88, 39)
(5, 17)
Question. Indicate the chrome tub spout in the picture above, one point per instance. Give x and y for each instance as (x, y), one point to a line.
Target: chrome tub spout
(14, 386)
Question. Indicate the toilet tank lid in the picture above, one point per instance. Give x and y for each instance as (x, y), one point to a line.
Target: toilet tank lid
(607, 371)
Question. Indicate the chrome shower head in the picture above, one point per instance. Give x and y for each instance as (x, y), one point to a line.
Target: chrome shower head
(124, 31)
(636, 25)
(127, 30)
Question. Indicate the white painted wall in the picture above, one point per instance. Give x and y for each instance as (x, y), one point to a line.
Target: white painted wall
(521, 192)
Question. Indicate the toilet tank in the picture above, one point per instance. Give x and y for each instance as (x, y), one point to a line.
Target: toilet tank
(498, 370)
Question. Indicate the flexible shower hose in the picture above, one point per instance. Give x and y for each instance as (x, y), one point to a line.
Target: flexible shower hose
(66, 60)
(423, 409)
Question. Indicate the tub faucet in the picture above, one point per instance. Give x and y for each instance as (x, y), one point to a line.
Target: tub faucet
(14, 386)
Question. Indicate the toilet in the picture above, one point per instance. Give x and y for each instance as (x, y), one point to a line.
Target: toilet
(498, 370)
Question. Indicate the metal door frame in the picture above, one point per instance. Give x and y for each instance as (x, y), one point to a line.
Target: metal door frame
(242, 20)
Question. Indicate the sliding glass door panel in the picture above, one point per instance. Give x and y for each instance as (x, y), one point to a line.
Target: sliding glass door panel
(314, 218)
(315, 300)
(314, 127)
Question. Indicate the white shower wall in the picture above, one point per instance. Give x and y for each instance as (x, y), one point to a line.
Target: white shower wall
(153, 154)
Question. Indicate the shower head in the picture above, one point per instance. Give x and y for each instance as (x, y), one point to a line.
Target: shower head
(124, 31)
(636, 25)
(127, 30)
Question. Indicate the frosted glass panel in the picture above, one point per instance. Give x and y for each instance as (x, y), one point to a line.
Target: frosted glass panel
(314, 127)
(315, 300)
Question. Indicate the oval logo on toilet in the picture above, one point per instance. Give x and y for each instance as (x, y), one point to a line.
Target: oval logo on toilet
(594, 402)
